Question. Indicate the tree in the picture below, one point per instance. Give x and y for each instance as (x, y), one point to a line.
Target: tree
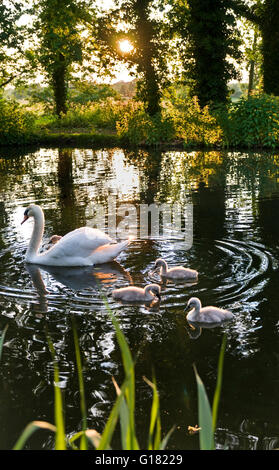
(269, 24)
(209, 36)
(11, 39)
(265, 15)
(147, 59)
(59, 27)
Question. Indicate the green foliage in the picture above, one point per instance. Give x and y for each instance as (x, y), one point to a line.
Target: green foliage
(182, 120)
(59, 28)
(208, 417)
(86, 92)
(10, 39)
(252, 122)
(209, 34)
(16, 124)
(139, 128)
(102, 115)
(148, 59)
(122, 411)
(195, 125)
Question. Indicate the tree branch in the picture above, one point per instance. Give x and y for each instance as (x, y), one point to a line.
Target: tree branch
(7, 81)
(241, 9)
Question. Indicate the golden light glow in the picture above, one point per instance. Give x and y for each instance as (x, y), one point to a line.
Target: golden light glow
(125, 46)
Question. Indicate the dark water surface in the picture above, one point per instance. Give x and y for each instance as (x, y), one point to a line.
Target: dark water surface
(235, 199)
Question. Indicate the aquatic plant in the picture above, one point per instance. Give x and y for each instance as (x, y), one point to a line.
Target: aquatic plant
(208, 417)
(123, 410)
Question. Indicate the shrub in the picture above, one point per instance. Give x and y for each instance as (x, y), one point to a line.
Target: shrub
(92, 115)
(251, 122)
(138, 128)
(16, 124)
(193, 124)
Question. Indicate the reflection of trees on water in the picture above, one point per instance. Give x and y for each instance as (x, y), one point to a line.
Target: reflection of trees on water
(66, 202)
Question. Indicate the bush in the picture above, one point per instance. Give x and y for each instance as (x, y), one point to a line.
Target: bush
(251, 122)
(16, 124)
(195, 125)
(138, 128)
(92, 115)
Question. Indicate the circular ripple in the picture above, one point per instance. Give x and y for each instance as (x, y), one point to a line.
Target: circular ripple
(231, 274)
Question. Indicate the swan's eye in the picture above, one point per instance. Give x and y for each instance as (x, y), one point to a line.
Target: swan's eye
(26, 212)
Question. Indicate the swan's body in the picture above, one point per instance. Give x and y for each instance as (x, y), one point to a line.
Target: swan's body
(84, 246)
(137, 294)
(199, 314)
(177, 272)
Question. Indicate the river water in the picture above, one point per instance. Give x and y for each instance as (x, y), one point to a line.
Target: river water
(235, 205)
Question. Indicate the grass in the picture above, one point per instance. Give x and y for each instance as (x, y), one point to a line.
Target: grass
(123, 410)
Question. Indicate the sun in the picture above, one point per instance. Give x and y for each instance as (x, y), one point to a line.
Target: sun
(125, 46)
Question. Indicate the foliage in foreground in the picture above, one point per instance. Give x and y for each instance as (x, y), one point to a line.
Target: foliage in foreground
(123, 410)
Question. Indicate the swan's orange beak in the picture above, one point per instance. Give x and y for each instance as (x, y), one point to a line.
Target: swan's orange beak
(24, 219)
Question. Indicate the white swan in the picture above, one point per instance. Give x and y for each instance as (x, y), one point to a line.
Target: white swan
(197, 314)
(177, 272)
(137, 294)
(84, 246)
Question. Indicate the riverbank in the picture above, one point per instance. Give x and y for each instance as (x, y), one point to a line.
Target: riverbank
(250, 124)
(107, 140)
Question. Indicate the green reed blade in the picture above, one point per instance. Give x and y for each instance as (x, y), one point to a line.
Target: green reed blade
(60, 436)
(2, 339)
(29, 430)
(91, 435)
(83, 441)
(205, 417)
(164, 442)
(217, 393)
(112, 420)
(124, 419)
(155, 422)
(130, 377)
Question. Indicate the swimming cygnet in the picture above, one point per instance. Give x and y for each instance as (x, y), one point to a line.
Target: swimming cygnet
(137, 294)
(209, 314)
(54, 239)
(178, 272)
(49, 243)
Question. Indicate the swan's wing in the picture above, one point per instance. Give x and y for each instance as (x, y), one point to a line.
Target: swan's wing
(80, 243)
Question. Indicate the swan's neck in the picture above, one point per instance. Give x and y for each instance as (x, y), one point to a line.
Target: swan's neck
(164, 267)
(37, 234)
(148, 293)
(194, 314)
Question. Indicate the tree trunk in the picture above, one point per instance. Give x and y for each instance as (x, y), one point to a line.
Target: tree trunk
(60, 87)
(149, 90)
(252, 67)
(270, 48)
(209, 48)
